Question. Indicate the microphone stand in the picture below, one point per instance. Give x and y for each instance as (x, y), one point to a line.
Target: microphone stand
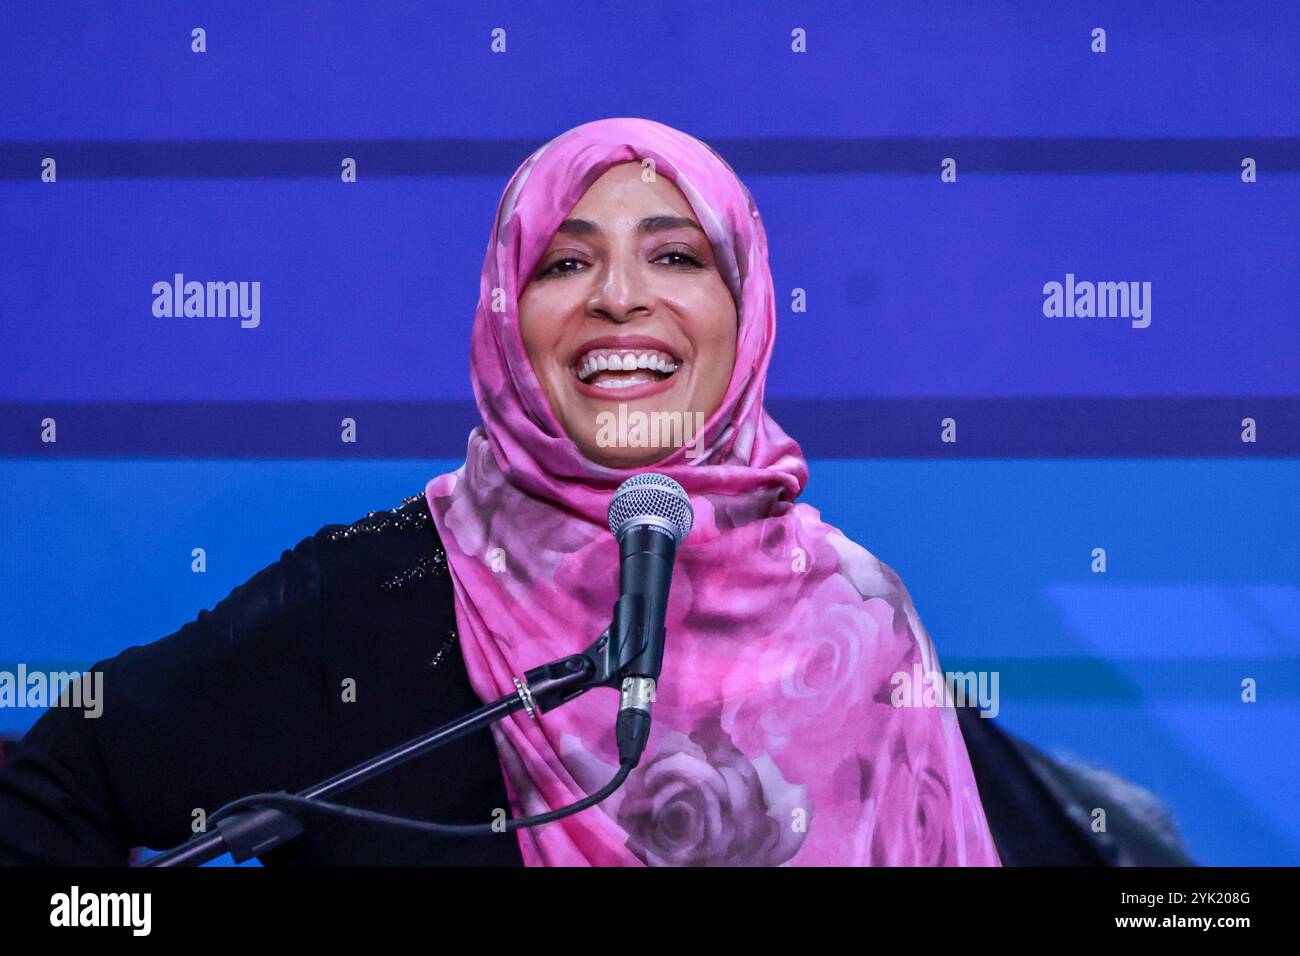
(256, 830)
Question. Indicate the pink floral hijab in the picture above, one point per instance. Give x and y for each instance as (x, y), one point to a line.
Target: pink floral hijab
(775, 737)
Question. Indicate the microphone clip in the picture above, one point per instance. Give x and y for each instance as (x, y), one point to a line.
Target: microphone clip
(623, 651)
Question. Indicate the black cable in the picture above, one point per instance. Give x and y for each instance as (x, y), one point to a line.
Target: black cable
(441, 829)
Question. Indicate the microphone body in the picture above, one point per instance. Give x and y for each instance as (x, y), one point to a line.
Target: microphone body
(650, 516)
(645, 571)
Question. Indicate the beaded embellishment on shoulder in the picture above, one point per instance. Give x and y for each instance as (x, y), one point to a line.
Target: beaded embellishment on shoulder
(404, 517)
(411, 514)
(447, 645)
(435, 563)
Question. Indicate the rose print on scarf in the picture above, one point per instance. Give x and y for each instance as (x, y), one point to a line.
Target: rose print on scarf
(699, 802)
(907, 803)
(824, 676)
(873, 578)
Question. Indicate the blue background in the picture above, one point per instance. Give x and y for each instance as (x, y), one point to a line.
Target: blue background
(1118, 166)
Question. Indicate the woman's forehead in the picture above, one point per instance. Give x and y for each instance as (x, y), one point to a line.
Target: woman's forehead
(632, 186)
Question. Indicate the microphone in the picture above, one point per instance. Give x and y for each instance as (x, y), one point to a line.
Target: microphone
(651, 516)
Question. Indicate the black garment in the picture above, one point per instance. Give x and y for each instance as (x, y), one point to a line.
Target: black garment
(250, 697)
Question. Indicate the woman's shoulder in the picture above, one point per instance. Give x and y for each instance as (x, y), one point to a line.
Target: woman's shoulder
(320, 595)
(338, 567)
(385, 571)
(384, 551)
(384, 574)
(408, 523)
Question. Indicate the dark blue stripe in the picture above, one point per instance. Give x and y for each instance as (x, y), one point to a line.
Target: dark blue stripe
(825, 428)
(242, 159)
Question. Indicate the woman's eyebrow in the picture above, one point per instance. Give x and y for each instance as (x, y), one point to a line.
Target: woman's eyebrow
(585, 227)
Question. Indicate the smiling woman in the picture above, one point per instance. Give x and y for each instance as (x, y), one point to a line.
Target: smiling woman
(626, 272)
(637, 264)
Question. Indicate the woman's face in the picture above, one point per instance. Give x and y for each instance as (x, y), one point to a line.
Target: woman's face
(627, 307)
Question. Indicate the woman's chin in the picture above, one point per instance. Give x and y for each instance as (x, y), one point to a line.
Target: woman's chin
(632, 433)
(627, 457)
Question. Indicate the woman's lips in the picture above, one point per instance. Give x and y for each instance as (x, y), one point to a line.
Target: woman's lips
(623, 367)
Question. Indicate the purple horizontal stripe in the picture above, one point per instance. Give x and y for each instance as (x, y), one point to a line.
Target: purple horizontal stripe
(245, 159)
(836, 428)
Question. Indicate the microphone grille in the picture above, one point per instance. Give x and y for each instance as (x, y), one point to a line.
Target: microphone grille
(651, 495)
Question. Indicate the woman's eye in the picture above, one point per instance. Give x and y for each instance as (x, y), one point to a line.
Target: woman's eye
(689, 259)
(554, 267)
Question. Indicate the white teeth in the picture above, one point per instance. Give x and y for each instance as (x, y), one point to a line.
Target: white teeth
(624, 362)
(617, 383)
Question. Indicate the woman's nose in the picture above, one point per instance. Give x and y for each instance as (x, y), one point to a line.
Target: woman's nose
(620, 290)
